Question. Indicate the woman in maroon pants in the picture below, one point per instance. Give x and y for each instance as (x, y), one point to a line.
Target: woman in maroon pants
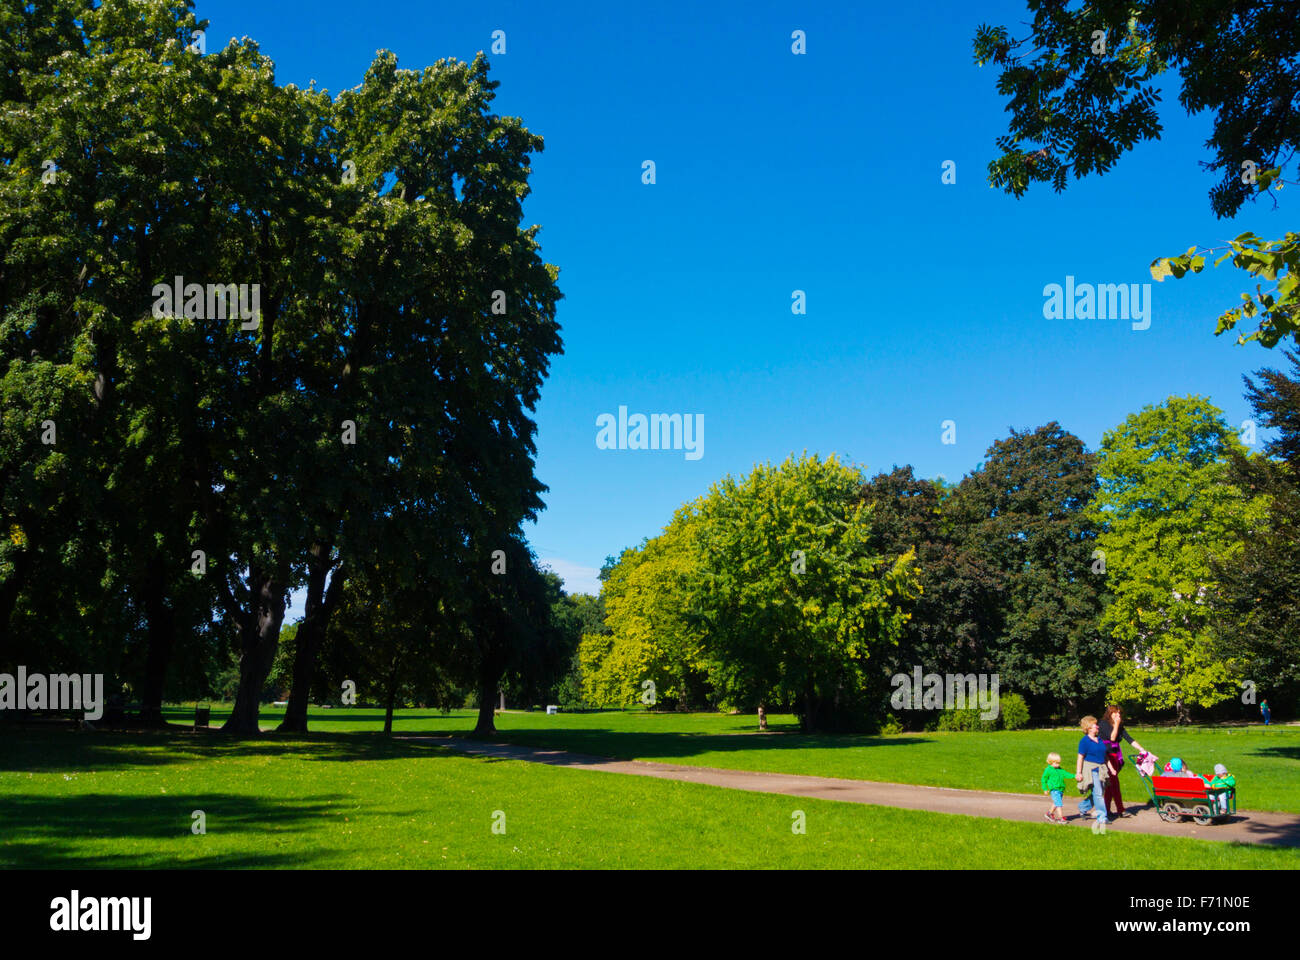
(1113, 732)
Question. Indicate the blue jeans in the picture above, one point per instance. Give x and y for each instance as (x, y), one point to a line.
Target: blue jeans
(1097, 799)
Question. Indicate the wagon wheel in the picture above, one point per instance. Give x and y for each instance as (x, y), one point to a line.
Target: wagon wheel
(1202, 814)
(1171, 812)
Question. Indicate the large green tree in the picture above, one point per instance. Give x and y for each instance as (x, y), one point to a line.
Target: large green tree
(650, 636)
(103, 186)
(402, 323)
(792, 599)
(443, 332)
(1169, 516)
(957, 613)
(1031, 500)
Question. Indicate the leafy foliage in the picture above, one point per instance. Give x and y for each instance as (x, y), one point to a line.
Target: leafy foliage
(176, 433)
(1013, 712)
(1031, 500)
(1258, 599)
(1169, 516)
(1077, 105)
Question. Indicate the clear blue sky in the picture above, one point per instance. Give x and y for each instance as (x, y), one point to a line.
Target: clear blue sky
(778, 172)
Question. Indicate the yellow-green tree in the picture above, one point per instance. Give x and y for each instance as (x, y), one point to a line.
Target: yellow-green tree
(652, 638)
(1169, 514)
(791, 598)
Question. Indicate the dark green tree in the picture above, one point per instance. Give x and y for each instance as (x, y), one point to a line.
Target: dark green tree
(1032, 496)
(1257, 619)
(957, 613)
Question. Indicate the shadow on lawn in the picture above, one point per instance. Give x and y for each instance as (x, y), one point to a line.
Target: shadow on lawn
(1289, 753)
(68, 751)
(666, 746)
(185, 718)
(48, 751)
(1285, 835)
(46, 832)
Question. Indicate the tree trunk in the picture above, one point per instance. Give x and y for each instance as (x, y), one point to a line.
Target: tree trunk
(161, 620)
(258, 639)
(392, 696)
(311, 634)
(486, 726)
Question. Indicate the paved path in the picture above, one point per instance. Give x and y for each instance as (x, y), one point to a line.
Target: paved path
(1278, 829)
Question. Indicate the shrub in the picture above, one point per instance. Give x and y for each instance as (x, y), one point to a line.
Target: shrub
(965, 721)
(1014, 712)
(891, 727)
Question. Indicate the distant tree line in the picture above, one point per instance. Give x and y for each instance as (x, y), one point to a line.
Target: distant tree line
(1160, 570)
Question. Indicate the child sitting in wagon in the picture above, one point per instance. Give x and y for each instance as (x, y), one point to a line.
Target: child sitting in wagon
(1224, 782)
(1176, 768)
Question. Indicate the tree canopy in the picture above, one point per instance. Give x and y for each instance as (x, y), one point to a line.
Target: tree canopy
(1084, 88)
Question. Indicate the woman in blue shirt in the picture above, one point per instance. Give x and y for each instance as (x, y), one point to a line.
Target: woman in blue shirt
(1090, 767)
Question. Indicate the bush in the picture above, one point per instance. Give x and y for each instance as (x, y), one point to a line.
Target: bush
(965, 721)
(1014, 713)
(891, 727)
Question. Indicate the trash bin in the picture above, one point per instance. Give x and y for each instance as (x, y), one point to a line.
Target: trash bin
(201, 715)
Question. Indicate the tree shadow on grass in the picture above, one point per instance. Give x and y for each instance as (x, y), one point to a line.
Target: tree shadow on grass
(185, 718)
(1283, 835)
(69, 751)
(44, 832)
(623, 745)
(1288, 753)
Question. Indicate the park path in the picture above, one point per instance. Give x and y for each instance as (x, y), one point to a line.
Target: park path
(1246, 826)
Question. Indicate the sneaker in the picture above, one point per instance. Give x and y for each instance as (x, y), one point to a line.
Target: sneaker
(1049, 818)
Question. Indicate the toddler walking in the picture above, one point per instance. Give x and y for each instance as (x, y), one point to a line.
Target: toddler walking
(1053, 784)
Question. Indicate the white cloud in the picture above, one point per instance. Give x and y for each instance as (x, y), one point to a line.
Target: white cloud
(577, 578)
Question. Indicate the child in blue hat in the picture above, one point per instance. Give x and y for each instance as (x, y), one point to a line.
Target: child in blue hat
(1176, 768)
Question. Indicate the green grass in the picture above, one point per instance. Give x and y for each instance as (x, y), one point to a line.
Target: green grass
(1266, 761)
(358, 800)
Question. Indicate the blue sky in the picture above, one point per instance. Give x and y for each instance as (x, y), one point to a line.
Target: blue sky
(820, 173)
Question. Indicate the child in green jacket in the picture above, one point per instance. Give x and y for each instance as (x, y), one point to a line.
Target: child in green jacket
(1222, 778)
(1053, 783)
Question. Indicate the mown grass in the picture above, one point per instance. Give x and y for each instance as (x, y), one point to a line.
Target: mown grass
(358, 800)
(1266, 761)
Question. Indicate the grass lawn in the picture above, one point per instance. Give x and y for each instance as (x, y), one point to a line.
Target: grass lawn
(348, 799)
(1266, 761)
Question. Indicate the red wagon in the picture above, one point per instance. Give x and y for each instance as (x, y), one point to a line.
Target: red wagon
(1179, 797)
